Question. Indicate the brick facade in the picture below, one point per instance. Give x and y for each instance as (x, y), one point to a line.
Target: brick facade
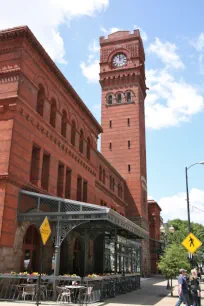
(154, 228)
(48, 139)
(123, 139)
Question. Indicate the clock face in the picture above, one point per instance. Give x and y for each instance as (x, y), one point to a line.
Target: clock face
(119, 60)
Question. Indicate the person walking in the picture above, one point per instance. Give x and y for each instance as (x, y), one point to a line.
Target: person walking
(182, 289)
(195, 288)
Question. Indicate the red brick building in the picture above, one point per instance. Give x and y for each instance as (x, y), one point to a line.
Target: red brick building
(48, 140)
(154, 236)
(122, 79)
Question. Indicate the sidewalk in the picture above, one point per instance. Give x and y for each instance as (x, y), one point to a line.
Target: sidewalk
(153, 292)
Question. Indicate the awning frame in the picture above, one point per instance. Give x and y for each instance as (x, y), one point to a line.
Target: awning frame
(69, 214)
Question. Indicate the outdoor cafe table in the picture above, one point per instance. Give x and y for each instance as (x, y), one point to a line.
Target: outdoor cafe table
(74, 288)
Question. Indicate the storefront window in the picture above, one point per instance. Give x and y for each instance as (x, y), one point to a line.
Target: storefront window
(109, 263)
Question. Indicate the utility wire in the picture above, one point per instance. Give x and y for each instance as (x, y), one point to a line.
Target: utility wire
(197, 208)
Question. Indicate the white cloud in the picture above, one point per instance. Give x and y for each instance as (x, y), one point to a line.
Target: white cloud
(110, 30)
(91, 70)
(113, 30)
(45, 17)
(175, 206)
(199, 43)
(142, 33)
(167, 53)
(94, 46)
(149, 198)
(201, 63)
(170, 102)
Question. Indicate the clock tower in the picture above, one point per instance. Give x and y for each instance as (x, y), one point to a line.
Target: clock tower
(122, 79)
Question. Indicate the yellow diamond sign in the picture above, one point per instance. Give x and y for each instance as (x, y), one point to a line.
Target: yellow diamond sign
(45, 230)
(191, 243)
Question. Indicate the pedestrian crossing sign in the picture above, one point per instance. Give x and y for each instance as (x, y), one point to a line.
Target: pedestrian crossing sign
(191, 243)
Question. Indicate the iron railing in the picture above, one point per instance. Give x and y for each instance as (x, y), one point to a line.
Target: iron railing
(51, 288)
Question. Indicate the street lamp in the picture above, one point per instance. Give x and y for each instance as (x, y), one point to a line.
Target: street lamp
(187, 193)
(163, 231)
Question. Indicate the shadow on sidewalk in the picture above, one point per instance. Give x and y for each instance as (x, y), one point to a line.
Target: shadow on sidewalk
(152, 291)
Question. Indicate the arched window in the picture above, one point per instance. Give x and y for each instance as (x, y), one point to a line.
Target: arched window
(53, 113)
(104, 176)
(88, 151)
(64, 124)
(119, 98)
(100, 173)
(110, 99)
(73, 133)
(128, 97)
(81, 142)
(121, 192)
(40, 100)
(113, 184)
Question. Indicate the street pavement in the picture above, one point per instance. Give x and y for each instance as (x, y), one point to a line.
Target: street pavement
(153, 292)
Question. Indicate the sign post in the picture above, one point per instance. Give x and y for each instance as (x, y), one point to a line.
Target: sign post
(191, 243)
(45, 232)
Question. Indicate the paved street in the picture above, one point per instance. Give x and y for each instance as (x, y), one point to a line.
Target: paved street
(153, 292)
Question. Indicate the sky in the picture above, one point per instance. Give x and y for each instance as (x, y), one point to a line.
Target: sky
(173, 37)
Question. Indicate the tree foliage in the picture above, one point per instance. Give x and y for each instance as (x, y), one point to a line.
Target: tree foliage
(174, 258)
(181, 231)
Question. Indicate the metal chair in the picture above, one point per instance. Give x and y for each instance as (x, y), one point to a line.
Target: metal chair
(64, 294)
(29, 290)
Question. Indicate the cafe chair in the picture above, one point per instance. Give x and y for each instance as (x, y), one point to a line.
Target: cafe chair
(86, 295)
(29, 290)
(64, 294)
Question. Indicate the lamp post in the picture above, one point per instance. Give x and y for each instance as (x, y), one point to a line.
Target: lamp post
(188, 203)
(187, 193)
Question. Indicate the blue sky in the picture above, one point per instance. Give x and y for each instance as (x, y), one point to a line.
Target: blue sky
(174, 45)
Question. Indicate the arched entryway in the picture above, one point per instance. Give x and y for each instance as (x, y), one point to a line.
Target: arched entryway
(31, 249)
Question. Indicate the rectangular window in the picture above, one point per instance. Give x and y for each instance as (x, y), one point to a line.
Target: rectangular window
(128, 144)
(128, 121)
(110, 146)
(110, 182)
(79, 188)
(129, 168)
(85, 191)
(110, 124)
(45, 171)
(35, 165)
(101, 203)
(60, 180)
(68, 183)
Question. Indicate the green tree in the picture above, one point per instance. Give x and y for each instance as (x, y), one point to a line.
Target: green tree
(180, 233)
(175, 257)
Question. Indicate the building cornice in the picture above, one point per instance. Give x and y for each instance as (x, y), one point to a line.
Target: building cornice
(25, 33)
